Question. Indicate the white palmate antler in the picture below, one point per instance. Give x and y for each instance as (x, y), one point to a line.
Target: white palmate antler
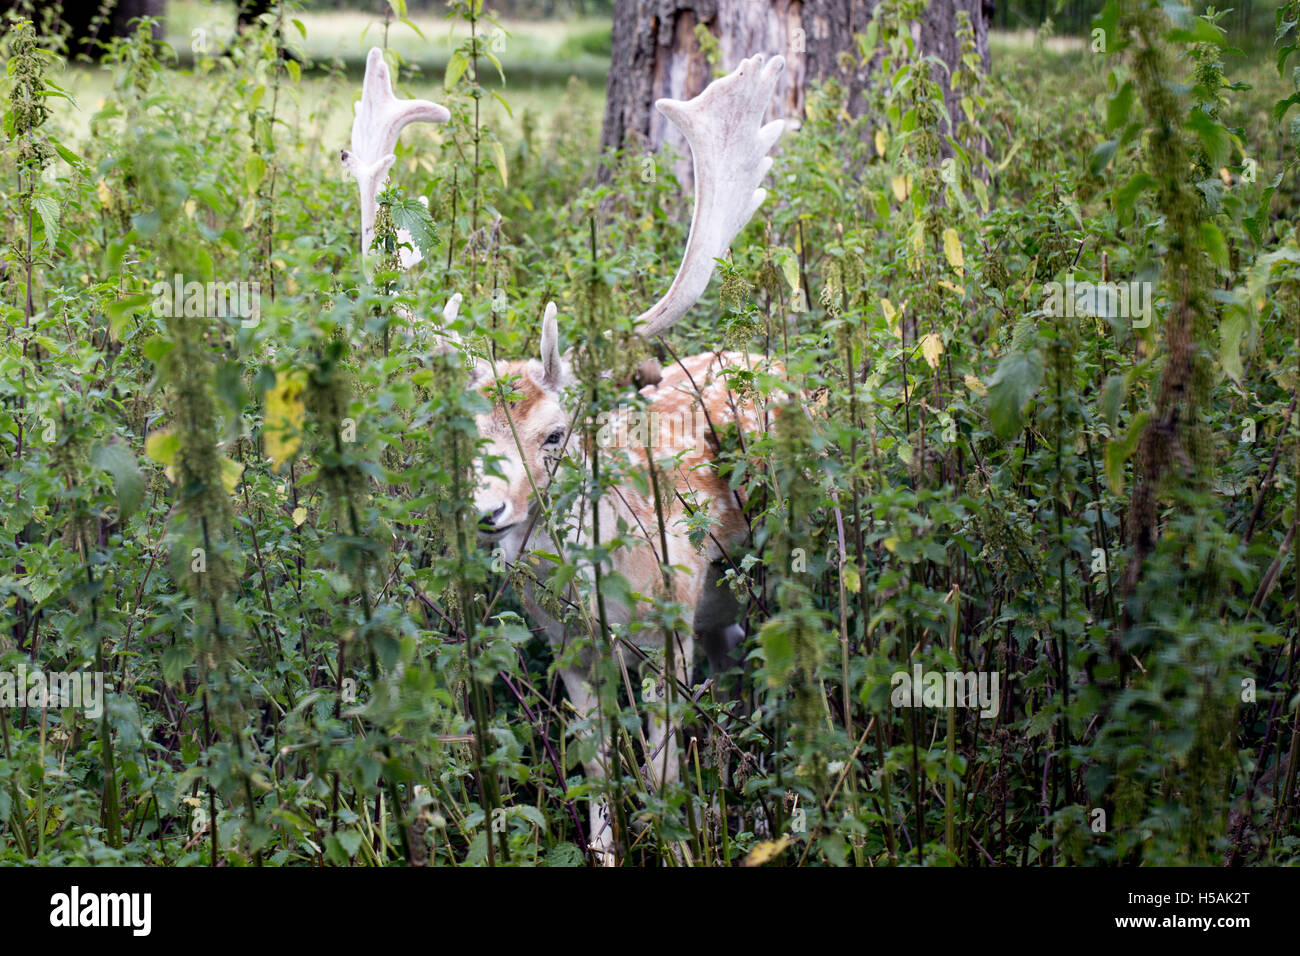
(729, 145)
(380, 118)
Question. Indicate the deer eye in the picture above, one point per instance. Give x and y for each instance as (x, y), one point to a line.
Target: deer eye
(555, 437)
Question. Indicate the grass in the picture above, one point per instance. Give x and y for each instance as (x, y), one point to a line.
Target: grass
(529, 50)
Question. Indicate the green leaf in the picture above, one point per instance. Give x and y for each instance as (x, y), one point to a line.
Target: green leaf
(254, 172)
(48, 210)
(778, 652)
(1112, 394)
(1017, 378)
(1101, 156)
(117, 460)
(120, 311)
(1214, 244)
(1127, 194)
(1116, 454)
(174, 661)
(456, 68)
(788, 263)
(1213, 136)
(1230, 335)
(1119, 107)
(499, 157)
(413, 216)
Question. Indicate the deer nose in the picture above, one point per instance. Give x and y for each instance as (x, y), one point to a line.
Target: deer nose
(488, 519)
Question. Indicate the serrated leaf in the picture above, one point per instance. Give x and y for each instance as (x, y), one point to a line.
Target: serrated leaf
(413, 216)
(1101, 156)
(456, 68)
(1230, 335)
(499, 157)
(231, 472)
(932, 348)
(1116, 454)
(174, 661)
(852, 580)
(788, 263)
(282, 425)
(120, 312)
(48, 210)
(1112, 394)
(128, 482)
(254, 172)
(891, 315)
(1017, 379)
(161, 446)
(778, 653)
(1213, 136)
(952, 250)
(1119, 107)
(1215, 244)
(766, 850)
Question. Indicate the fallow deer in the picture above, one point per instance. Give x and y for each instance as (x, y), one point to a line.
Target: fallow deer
(729, 145)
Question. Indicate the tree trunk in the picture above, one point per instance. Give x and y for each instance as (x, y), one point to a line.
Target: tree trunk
(655, 54)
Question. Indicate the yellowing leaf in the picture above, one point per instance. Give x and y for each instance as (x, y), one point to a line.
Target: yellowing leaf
(975, 385)
(284, 413)
(899, 185)
(882, 141)
(766, 850)
(231, 472)
(932, 348)
(499, 156)
(890, 543)
(299, 515)
(916, 238)
(104, 193)
(789, 264)
(162, 445)
(887, 308)
(952, 249)
(852, 581)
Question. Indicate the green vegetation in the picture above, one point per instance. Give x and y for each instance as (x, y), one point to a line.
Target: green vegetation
(258, 525)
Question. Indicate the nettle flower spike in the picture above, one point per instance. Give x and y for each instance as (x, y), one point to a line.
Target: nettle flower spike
(380, 119)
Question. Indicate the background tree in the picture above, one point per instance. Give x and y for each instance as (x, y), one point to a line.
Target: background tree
(661, 51)
(90, 24)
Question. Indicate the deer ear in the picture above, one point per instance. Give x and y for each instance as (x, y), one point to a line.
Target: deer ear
(553, 366)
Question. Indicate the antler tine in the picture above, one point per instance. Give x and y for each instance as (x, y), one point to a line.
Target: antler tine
(380, 119)
(729, 152)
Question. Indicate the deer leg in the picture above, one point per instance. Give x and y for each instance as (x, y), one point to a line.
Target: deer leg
(662, 757)
(600, 836)
(716, 613)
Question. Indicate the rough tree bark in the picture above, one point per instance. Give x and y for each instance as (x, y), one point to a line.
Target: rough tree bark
(655, 54)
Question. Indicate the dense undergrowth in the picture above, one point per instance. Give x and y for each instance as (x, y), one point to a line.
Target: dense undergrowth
(258, 525)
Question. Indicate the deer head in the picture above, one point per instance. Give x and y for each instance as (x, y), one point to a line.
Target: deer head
(729, 145)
